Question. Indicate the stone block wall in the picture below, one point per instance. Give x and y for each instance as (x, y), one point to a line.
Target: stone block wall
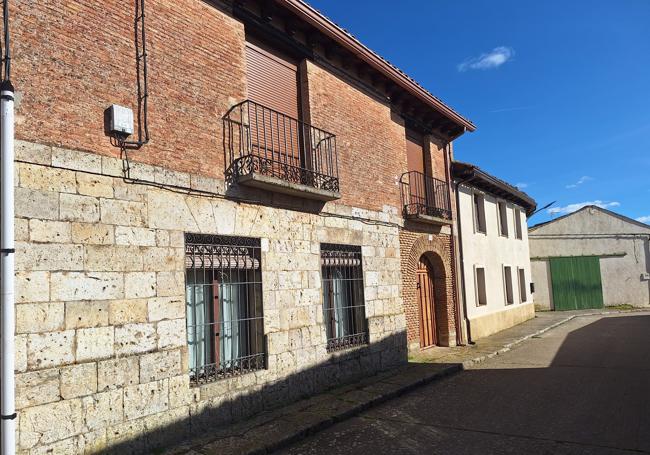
(101, 345)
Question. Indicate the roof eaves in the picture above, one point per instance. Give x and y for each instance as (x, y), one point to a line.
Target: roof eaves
(467, 170)
(345, 38)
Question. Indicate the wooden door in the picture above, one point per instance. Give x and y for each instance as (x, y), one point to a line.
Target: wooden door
(428, 336)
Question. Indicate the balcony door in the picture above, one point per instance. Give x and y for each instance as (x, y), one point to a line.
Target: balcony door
(273, 86)
(415, 162)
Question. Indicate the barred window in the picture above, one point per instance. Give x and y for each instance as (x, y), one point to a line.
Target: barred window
(223, 288)
(344, 308)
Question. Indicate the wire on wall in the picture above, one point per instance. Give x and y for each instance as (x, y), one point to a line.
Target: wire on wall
(142, 86)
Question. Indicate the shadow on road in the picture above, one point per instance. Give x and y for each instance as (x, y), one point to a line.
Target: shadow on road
(585, 390)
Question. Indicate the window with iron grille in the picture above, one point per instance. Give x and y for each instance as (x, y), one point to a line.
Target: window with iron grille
(223, 288)
(344, 310)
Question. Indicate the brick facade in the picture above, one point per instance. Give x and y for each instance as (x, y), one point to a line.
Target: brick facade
(101, 344)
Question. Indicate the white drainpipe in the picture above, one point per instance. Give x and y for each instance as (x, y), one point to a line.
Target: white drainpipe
(7, 329)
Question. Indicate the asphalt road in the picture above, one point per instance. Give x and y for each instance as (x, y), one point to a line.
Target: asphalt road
(581, 388)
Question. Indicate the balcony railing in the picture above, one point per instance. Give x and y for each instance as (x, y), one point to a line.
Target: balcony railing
(424, 196)
(266, 148)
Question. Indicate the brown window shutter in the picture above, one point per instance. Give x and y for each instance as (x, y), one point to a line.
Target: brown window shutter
(272, 80)
(414, 151)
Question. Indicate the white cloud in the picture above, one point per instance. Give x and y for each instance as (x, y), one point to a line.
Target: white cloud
(581, 180)
(521, 185)
(573, 207)
(644, 219)
(493, 59)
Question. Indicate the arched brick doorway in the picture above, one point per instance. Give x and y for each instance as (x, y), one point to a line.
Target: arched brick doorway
(430, 256)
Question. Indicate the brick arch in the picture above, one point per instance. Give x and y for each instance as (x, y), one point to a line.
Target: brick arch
(436, 250)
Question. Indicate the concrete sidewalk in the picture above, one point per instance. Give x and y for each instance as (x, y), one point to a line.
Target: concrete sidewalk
(272, 430)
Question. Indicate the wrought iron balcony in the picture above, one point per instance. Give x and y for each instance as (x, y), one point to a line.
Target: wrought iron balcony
(270, 150)
(425, 198)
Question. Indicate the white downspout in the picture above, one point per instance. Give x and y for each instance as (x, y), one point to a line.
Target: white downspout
(7, 330)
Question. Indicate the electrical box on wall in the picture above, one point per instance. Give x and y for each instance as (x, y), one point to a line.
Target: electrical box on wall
(120, 120)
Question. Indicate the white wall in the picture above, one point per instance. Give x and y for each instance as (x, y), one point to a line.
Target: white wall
(492, 251)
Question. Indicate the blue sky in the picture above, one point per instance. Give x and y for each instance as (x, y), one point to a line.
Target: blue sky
(559, 90)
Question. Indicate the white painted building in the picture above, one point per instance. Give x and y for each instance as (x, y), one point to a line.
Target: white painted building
(494, 259)
(589, 259)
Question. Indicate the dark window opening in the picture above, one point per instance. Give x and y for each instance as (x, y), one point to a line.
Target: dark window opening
(223, 290)
(479, 213)
(344, 311)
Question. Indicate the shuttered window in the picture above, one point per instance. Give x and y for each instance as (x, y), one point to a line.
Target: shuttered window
(414, 151)
(272, 79)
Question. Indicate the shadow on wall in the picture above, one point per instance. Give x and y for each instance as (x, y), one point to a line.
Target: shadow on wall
(216, 414)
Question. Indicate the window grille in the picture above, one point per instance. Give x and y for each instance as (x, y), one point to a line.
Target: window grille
(344, 310)
(225, 330)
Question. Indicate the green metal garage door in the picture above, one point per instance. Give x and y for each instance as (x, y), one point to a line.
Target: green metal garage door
(576, 283)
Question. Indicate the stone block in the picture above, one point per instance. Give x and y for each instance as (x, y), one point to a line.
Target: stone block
(45, 178)
(172, 334)
(159, 365)
(20, 348)
(36, 204)
(49, 231)
(166, 176)
(94, 185)
(117, 373)
(135, 339)
(86, 314)
(112, 166)
(33, 153)
(129, 235)
(162, 237)
(180, 392)
(139, 285)
(166, 308)
(67, 286)
(52, 349)
(21, 230)
(127, 311)
(47, 256)
(124, 213)
(170, 284)
(109, 258)
(36, 388)
(163, 259)
(39, 317)
(130, 191)
(103, 410)
(92, 234)
(146, 399)
(75, 207)
(169, 211)
(95, 343)
(79, 161)
(78, 380)
(70, 446)
(95, 441)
